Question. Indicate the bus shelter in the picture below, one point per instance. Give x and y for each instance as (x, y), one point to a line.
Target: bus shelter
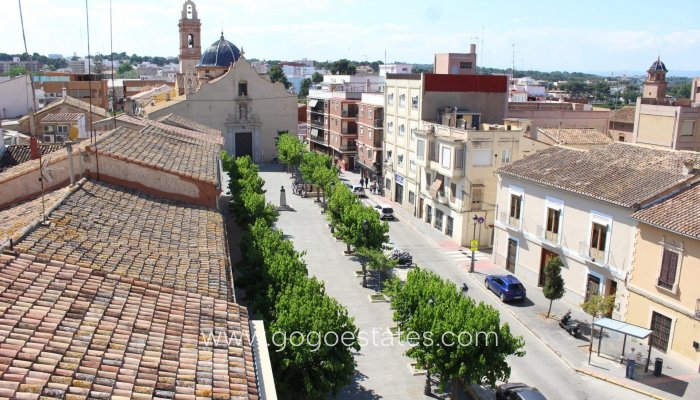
(622, 328)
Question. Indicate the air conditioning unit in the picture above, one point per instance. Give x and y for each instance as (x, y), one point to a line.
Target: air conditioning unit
(49, 139)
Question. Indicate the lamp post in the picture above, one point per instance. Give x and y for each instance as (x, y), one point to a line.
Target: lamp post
(428, 386)
(365, 230)
(475, 219)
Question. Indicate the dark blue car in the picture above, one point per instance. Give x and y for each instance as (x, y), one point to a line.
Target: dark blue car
(507, 287)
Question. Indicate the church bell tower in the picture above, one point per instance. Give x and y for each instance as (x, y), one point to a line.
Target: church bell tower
(655, 85)
(190, 40)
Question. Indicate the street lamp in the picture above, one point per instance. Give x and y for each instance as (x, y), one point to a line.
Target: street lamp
(471, 267)
(428, 386)
(365, 230)
(331, 193)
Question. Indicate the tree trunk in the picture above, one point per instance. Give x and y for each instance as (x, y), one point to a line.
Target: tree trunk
(348, 247)
(550, 307)
(364, 274)
(454, 395)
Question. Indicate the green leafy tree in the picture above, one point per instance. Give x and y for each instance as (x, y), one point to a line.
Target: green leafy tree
(375, 260)
(681, 90)
(277, 75)
(16, 71)
(343, 67)
(247, 194)
(289, 149)
(553, 282)
(124, 68)
(304, 87)
(316, 78)
(597, 306)
(339, 200)
(312, 367)
(433, 315)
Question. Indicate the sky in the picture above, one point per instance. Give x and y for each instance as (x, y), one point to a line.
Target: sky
(620, 36)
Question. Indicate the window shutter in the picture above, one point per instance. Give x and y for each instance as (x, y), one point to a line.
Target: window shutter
(669, 263)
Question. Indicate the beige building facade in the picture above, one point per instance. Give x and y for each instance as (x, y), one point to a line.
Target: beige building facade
(664, 294)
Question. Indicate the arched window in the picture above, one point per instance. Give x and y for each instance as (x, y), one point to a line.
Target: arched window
(190, 40)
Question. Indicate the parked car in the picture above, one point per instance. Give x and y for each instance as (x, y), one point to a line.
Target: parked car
(518, 391)
(358, 191)
(385, 211)
(507, 287)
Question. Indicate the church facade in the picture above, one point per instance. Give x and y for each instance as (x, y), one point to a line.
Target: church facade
(223, 91)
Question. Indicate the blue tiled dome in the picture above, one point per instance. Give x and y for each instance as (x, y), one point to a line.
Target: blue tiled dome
(220, 54)
(658, 66)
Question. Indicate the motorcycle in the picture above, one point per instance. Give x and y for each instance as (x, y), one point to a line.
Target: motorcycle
(570, 326)
(403, 257)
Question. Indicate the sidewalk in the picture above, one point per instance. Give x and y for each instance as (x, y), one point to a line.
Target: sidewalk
(676, 381)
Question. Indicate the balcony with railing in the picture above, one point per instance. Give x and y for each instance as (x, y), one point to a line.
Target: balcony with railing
(347, 148)
(318, 124)
(548, 237)
(510, 222)
(593, 254)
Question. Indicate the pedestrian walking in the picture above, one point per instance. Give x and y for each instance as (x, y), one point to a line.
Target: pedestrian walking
(631, 363)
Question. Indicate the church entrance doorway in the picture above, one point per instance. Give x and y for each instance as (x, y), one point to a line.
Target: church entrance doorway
(244, 144)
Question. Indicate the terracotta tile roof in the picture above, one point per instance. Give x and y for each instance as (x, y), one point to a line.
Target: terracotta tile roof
(176, 120)
(15, 219)
(126, 232)
(625, 114)
(679, 213)
(72, 101)
(62, 117)
(20, 153)
(574, 135)
(135, 123)
(619, 173)
(162, 149)
(73, 332)
(164, 104)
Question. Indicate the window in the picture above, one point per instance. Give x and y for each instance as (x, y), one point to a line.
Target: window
(661, 327)
(369, 112)
(402, 100)
(48, 128)
(400, 159)
(362, 111)
(438, 220)
(428, 214)
(420, 149)
(390, 99)
(669, 267)
(412, 165)
(242, 89)
(402, 130)
(427, 180)
(478, 199)
(552, 231)
(411, 197)
(505, 156)
(62, 129)
(465, 65)
(450, 224)
(482, 158)
(621, 138)
(413, 134)
(459, 158)
(369, 134)
(515, 204)
(390, 128)
(362, 131)
(445, 160)
(453, 191)
(414, 102)
(369, 154)
(687, 127)
(599, 235)
(387, 184)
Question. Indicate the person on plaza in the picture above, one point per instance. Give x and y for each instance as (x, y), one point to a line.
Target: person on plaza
(631, 362)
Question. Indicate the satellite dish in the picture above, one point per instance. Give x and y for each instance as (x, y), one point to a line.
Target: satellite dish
(73, 133)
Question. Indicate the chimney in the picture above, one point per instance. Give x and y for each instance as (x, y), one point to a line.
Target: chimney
(472, 48)
(689, 168)
(33, 148)
(71, 170)
(65, 91)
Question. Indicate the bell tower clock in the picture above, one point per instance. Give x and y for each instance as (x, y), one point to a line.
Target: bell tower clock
(190, 40)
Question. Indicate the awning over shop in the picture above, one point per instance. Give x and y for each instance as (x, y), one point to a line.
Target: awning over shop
(313, 102)
(435, 186)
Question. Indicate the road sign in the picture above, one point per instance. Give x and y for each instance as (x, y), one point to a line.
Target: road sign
(480, 220)
(73, 133)
(474, 244)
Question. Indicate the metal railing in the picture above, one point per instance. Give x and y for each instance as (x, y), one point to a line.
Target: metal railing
(507, 220)
(593, 254)
(546, 235)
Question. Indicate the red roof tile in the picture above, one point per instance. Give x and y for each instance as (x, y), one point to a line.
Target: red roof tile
(679, 213)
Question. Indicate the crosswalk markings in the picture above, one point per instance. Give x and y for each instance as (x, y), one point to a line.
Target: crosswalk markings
(465, 254)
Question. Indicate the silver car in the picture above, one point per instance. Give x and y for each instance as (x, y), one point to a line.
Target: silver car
(385, 211)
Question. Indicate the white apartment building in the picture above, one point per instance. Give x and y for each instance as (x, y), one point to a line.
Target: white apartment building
(576, 204)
